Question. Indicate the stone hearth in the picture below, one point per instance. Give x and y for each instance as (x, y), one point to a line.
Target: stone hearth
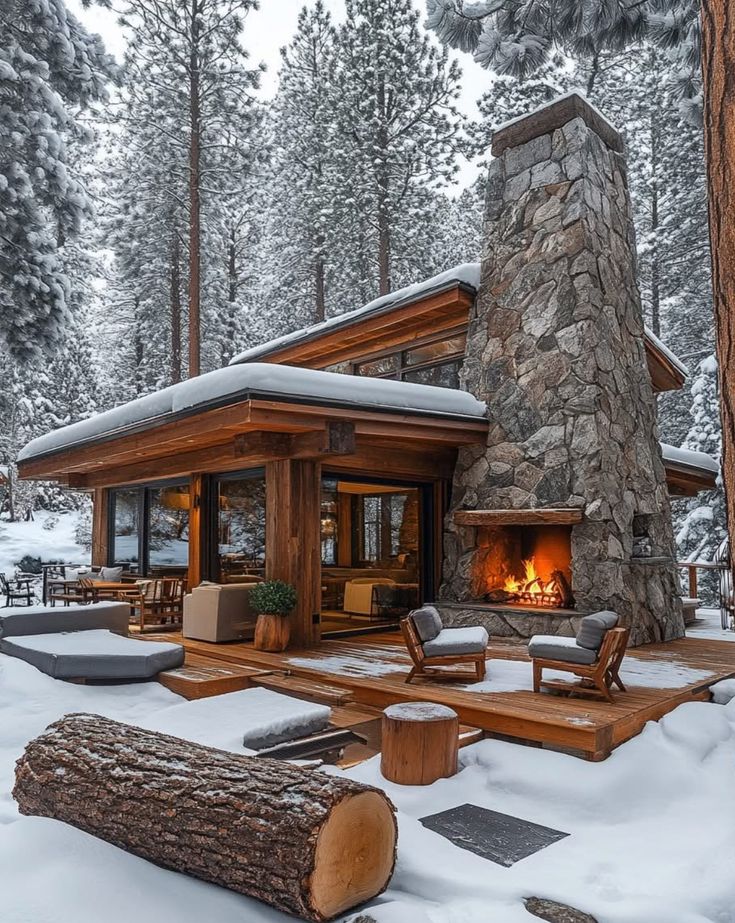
(556, 350)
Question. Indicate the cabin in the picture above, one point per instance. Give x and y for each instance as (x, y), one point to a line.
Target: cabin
(485, 438)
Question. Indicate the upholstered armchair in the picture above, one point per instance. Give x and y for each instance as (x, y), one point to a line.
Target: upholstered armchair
(219, 613)
(359, 594)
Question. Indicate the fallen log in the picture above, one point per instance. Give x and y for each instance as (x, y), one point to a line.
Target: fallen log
(311, 844)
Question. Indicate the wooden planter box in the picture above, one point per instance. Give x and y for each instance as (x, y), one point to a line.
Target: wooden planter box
(272, 632)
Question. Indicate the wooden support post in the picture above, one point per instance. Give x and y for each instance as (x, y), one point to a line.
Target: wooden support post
(692, 581)
(293, 540)
(420, 743)
(100, 527)
(196, 524)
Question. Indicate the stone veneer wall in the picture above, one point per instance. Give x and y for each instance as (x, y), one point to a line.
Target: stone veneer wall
(556, 349)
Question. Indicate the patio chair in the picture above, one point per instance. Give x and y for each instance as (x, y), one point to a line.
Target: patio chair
(430, 645)
(595, 655)
(16, 589)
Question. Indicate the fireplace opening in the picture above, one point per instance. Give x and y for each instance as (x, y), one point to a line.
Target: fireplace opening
(523, 566)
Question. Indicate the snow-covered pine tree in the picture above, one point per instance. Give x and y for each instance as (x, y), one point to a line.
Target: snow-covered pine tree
(398, 133)
(188, 80)
(50, 69)
(701, 519)
(302, 226)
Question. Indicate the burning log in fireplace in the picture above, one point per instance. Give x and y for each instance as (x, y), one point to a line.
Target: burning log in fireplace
(532, 590)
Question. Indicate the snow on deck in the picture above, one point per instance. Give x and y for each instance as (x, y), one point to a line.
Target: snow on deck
(237, 382)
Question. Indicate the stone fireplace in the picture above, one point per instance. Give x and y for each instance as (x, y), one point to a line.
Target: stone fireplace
(565, 510)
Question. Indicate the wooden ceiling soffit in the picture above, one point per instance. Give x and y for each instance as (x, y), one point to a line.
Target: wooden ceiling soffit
(665, 376)
(536, 517)
(685, 482)
(443, 310)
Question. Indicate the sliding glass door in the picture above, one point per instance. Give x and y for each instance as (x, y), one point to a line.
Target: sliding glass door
(238, 549)
(376, 552)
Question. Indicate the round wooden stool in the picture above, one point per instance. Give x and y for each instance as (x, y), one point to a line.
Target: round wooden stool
(420, 743)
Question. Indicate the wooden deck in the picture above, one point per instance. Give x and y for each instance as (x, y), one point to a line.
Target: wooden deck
(372, 669)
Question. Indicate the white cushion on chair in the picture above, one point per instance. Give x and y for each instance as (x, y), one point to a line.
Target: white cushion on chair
(457, 641)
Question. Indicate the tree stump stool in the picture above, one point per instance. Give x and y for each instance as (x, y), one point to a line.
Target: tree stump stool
(420, 743)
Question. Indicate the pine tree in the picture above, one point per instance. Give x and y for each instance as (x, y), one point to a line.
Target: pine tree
(398, 131)
(302, 221)
(188, 83)
(50, 69)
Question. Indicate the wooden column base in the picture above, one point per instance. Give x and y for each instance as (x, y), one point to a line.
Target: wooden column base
(420, 743)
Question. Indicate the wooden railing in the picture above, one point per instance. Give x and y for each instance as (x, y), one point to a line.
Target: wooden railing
(693, 566)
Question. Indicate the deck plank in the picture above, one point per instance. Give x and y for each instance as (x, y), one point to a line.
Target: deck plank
(584, 725)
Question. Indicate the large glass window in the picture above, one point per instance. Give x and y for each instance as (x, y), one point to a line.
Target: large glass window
(240, 546)
(150, 528)
(126, 528)
(168, 527)
(443, 376)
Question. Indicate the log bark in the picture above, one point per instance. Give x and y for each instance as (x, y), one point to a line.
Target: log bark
(420, 741)
(718, 66)
(305, 842)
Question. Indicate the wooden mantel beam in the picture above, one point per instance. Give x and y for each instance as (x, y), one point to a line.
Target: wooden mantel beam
(517, 517)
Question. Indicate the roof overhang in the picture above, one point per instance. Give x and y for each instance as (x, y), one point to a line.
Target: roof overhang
(251, 430)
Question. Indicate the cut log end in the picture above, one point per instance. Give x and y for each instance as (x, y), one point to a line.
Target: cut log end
(355, 854)
(311, 844)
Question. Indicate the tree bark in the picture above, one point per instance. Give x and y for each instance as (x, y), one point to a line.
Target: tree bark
(194, 198)
(308, 843)
(384, 241)
(718, 66)
(175, 310)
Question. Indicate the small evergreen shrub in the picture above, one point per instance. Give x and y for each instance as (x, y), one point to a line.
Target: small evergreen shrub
(29, 564)
(273, 597)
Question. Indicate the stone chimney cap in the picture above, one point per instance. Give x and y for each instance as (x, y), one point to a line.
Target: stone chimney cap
(553, 115)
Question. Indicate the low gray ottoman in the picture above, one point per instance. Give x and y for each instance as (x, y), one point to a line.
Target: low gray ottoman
(43, 620)
(95, 655)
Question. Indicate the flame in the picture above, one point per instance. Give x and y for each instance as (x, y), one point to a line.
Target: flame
(530, 575)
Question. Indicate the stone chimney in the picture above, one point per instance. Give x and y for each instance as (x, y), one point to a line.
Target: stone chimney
(556, 349)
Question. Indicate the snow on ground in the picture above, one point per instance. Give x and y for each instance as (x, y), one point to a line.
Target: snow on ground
(708, 625)
(652, 828)
(50, 536)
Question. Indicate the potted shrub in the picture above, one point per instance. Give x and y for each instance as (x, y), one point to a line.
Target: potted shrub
(272, 600)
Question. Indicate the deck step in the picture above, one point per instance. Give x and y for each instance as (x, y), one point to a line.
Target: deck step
(302, 688)
(469, 735)
(200, 680)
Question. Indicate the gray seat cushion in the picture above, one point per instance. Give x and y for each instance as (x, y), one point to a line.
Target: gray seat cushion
(427, 622)
(593, 628)
(42, 620)
(553, 647)
(454, 641)
(96, 654)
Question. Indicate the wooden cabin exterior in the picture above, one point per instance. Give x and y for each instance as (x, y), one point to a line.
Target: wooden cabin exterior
(314, 479)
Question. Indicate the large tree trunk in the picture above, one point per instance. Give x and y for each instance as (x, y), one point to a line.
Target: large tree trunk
(175, 310)
(194, 201)
(308, 843)
(718, 64)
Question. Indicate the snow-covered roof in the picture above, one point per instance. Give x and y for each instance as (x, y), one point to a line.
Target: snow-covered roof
(467, 274)
(672, 357)
(688, 458)
(260, 380)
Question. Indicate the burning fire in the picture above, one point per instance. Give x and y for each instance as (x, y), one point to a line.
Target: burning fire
(531, 588)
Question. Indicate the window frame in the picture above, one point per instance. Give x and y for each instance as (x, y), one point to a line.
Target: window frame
(144, 506)
(397, 353)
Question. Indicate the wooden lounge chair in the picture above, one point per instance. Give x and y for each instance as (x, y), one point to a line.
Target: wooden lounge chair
(598, 669)
(430, 645)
